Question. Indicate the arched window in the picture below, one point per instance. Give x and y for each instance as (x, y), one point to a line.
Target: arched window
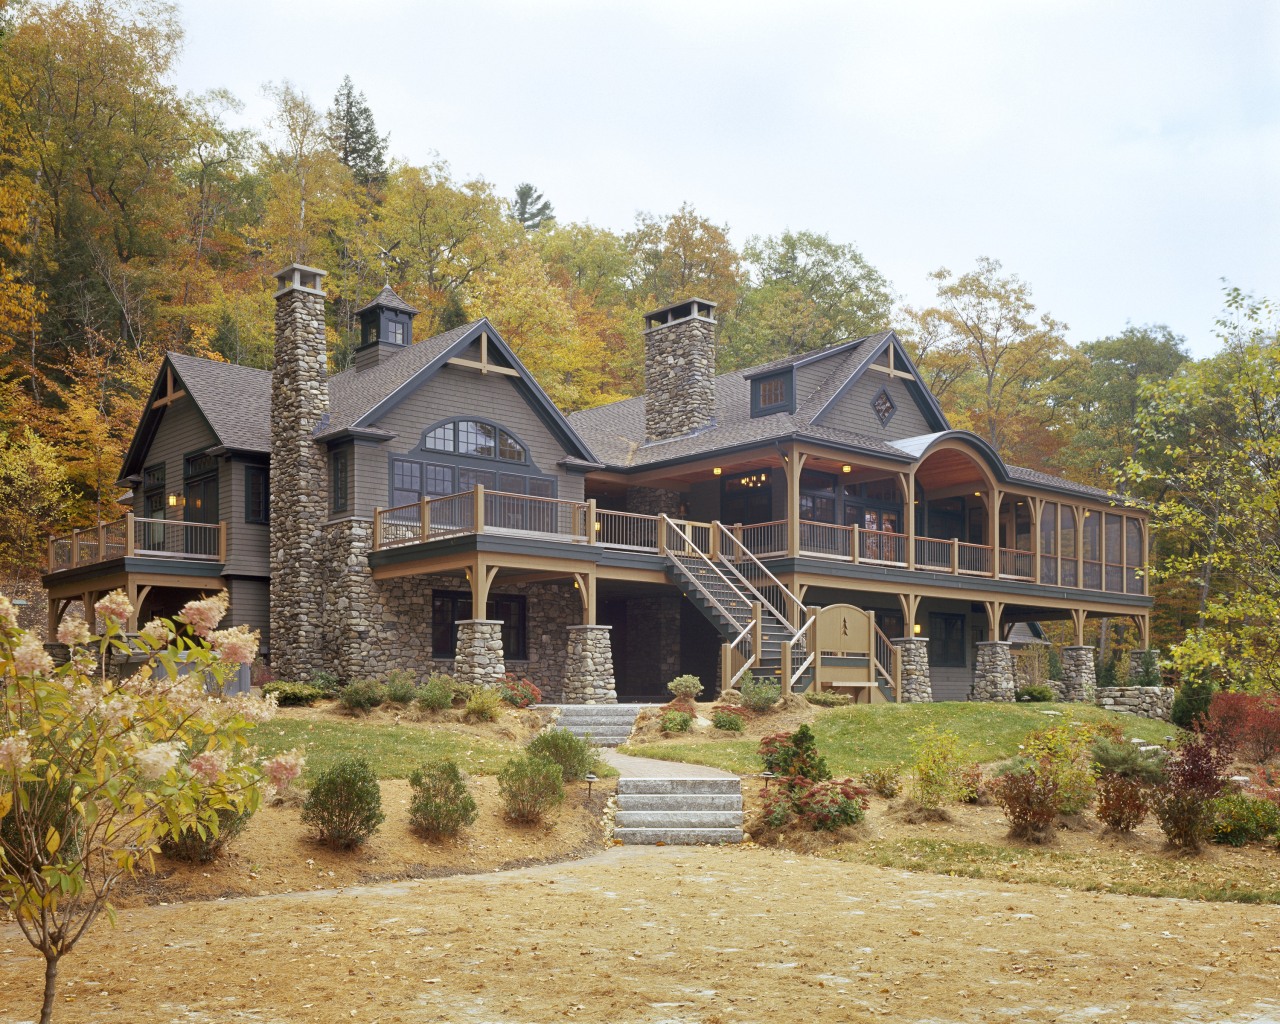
(475, 438)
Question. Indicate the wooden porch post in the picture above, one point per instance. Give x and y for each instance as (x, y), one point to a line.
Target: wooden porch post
(131, 588)
(129, 540)
(586, 584)
(478, 494)
(591, 527)
(1080, 559)
(424, 519)
(909, 480)
(1037, 510)
(993, 530)
(1077, 618)
(792, 467)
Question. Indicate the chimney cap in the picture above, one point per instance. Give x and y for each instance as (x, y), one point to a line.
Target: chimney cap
(682, 310)
(301, 277)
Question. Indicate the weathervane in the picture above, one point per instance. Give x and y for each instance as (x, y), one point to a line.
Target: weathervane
(385, 258)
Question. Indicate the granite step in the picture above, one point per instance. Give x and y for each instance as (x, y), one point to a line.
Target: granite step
(678, 819)
(677, 836)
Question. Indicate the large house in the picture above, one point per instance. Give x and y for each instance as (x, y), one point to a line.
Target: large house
(815, 518)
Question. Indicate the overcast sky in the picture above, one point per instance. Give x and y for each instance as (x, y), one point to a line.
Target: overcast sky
(1121, 157)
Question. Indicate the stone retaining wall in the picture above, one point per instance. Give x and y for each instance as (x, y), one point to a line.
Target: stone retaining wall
(1146, 701)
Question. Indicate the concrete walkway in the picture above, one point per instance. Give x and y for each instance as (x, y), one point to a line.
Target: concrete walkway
(650, 768)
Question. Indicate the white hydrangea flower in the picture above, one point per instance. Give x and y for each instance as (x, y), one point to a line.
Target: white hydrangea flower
(157, 760)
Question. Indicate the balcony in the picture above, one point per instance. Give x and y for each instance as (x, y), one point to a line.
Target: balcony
(581, 522)
(134, 537)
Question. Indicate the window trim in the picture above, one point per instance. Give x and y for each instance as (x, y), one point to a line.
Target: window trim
(786, 404)
(339, 482)
(251, 515)
(893, 406)
(498, 432)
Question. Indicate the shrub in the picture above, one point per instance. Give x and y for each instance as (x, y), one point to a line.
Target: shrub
(676, 721)
(1055, 663)
(726, 721)
(1190, 702)
(688, 687)
(462, 691)
(574, 756)
(731, 697)
(1147, 670)
(327, 682)
(1184, 803)
(794, 755)
(199, 845)
(518, 691)
(401, 687)
(821, 805)
(759, 695)
(440, 804)
(436, 694)
(1240, 819)
(293, 694)
(935, 769)
(1128, 761)
(828, 699)
(1123, 802)
(1035, 693)
(260, 674)
(362, 695)
(973, 785)
(484, 705)
(1108, 672)
(1029, 798)
(1065, 752)
(345, 804)
(1244, 722)
(530, 787)
(884, 780)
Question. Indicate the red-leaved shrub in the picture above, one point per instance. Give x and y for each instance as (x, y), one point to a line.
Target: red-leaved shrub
(1184, 804)
(1029, 799)
(518, 691)
(1122, 803)
(821, 805)
(1244, 723)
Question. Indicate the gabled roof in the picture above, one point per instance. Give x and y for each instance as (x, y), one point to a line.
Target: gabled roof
(390, 300)
(616, 432)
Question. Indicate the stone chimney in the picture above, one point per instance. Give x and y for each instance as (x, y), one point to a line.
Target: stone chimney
(299, 403)
(679, 369)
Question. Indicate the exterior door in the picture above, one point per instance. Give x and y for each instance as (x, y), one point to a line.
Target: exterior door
(201, 506)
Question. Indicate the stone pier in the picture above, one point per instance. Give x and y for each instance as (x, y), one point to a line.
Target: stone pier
(479, 658)
(1079, 675)
(993, 673)
(588, 668)
(913, 655)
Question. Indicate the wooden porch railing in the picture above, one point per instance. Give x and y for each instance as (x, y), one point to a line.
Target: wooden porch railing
(134, 536)
(480, 509)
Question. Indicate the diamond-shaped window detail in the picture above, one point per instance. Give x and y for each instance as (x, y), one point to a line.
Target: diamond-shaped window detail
(883, 406)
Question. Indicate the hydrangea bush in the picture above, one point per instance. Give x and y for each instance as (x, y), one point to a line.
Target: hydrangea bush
(96, 772)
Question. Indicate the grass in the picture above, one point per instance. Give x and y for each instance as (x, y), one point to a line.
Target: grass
(393, 750)
(855, 738)
(1210, 877)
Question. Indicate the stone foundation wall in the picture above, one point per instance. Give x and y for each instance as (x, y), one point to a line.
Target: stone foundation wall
(1080, 682)
(588, 673)
(914, 655)
(1146, 701)
(653, 501)
(993, 673)
(653, 642)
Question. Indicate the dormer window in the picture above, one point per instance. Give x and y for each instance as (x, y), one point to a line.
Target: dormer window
(395, 332)
(774, 393)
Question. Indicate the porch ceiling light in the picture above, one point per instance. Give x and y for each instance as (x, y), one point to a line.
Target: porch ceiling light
(846, 469)
(717, 471)
(916, 629)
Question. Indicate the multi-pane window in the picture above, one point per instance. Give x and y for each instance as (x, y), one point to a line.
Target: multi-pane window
(1070, 545)
(412, 480)
(946, 641)
(256, 494)
(449, 607)
(477, 439)
(1133, 555)
(773, 391)
(1049, 543)
(395, 332)
(339, 484)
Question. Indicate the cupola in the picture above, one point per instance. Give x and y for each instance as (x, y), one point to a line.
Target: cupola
(386, 327)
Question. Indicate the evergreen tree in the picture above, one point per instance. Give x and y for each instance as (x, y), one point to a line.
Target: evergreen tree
(531, 208)
(354, 136)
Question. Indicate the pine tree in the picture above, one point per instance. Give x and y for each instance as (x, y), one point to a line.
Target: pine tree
(354, 136)
(530, 208)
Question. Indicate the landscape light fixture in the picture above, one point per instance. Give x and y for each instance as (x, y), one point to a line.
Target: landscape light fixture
(591, 778)
(767, 776)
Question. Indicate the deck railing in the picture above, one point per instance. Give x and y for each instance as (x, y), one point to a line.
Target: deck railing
(133, 536)
(481, 509)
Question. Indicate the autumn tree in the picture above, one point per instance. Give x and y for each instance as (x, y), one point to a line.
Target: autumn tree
(531, 208)
(34, 498)
(995, 364)
(681, 256)
(353, 135)
(804, 292)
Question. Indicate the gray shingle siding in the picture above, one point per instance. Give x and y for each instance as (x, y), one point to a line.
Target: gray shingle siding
(852, 411)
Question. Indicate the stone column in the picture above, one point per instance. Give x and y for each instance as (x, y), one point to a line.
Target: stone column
(993, 674)
(1081, 676)
(913, 655)
(588, 668)
(1135, 662)
(478, 658)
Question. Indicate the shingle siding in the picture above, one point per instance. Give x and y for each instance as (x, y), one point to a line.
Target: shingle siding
(250, 606)
(182, 431)
(853, 410)
(248, 544)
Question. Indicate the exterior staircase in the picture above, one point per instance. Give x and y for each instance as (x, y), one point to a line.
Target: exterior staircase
(605, 725)
(728, 587)
(678, 812)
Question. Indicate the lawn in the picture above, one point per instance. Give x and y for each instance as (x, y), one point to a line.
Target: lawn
(393, 750)
(855, 738)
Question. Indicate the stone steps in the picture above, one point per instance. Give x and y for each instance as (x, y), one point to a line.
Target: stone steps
(678, 812)
(606, 725)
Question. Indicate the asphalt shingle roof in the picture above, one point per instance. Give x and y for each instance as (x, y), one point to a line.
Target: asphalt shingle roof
(390, 299)
(235, 399)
